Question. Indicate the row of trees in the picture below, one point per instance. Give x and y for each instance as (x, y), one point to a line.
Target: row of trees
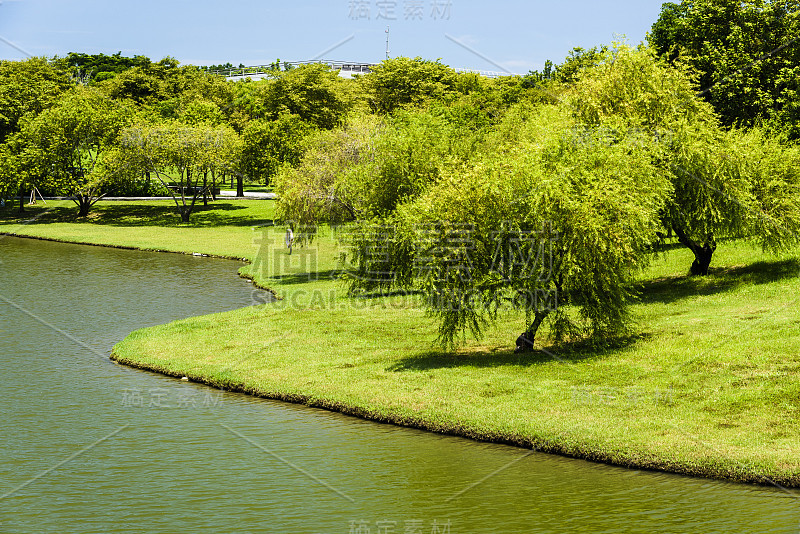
(62, 130)
(70, 135)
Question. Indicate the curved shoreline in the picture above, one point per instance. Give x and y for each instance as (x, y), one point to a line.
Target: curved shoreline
(143, 249)
(734, 474)
(727, 470)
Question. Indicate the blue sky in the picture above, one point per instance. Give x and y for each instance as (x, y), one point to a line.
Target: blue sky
(515, 36)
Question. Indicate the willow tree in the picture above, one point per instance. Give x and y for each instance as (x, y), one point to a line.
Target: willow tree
(178, 156)
(564, 217)
(715, 174)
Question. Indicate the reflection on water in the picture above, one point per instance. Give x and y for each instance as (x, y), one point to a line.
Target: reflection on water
(91, 446)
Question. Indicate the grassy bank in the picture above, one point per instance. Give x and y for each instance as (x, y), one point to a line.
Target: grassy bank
(709, 388)
(223, 229)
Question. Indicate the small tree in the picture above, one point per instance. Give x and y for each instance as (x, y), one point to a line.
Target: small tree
(68, 142)
(179, 156)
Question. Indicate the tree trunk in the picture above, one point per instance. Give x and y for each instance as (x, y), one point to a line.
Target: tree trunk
(702, 259)
(526, 340)
(205, 189)
(21, 201)
(703, 252)
(240, 185)
(84, 203)
(186, 211)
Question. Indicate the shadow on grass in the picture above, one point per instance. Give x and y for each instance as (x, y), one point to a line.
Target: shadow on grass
(387, 294)
(304, 278)
(565, 354)
(719, 280)
(137, 214)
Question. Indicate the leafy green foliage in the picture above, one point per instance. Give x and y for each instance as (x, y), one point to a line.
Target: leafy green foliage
(568, 72)
(98, 67)
(369, 167)
(312, 92)
(712, 172)
(27, 87)
(199, 111)
(65, 145)
(745, 51)
(179, 156)
(268, 145)
(402, 82)
(565, 216)
(628, 150)
(328, 183)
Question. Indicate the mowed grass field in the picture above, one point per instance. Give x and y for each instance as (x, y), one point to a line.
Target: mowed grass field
(710, 385)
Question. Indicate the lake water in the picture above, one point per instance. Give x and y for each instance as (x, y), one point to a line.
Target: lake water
(91, 446)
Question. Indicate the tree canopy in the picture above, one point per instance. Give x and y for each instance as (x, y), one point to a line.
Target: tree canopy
(745, 51)
(713, 194)
(66, 144)
(404, 81)
(179, 156)
(27, 88)
(546, 193)
(627, 152)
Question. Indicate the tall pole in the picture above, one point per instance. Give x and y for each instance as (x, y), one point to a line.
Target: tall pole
(387, 42)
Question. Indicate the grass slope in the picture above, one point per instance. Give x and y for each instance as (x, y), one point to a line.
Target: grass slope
(709, 388)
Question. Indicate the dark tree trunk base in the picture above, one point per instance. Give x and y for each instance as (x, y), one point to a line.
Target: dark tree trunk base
(84, 205)
(526, 339)
(524, 344)
(703, 252)
(702, 260)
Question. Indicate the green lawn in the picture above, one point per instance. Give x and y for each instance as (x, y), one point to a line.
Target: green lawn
(228, 227)
(710, 386)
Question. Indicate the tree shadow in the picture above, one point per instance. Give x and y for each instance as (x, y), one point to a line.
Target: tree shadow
(387, 294)
(719, 280)
(137, 214)
(564, 353)
(306, 277)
